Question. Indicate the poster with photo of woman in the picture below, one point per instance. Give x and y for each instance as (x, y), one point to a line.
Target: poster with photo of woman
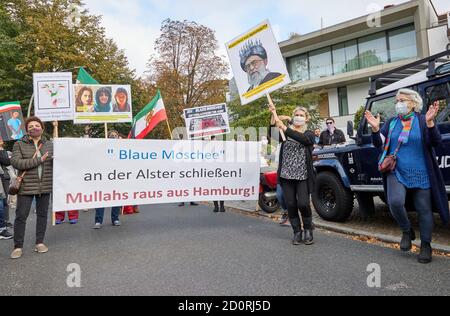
(102, 104)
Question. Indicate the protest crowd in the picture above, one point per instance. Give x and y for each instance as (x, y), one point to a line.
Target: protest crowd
(409, 163)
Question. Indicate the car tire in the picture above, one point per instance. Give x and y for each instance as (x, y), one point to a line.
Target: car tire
(269, 207)
(332, 201)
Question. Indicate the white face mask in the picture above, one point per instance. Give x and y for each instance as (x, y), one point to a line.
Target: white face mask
(401, 108)
(299, 121)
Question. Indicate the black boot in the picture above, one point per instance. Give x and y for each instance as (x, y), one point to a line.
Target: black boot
(309, 227)
(298, 234)
(407, 239)
(222, 207)
(426, 253)
(216, 207)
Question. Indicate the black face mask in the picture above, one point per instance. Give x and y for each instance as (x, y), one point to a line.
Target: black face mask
(35, 132)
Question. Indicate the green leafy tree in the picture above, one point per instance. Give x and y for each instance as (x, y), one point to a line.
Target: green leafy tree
(359, 116)
(187, 69)
(57, 35)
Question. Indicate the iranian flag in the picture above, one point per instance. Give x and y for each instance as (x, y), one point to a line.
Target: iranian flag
(146, 121)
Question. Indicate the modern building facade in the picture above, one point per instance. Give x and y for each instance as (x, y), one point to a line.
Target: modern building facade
(338, 61)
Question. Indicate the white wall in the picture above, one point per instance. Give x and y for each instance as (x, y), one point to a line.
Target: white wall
(357, 95)
(334, 102)
(438, 39)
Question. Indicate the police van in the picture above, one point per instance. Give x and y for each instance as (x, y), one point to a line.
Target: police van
(351, 171)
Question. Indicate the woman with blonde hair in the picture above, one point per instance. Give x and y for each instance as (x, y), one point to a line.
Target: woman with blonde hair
(296, 172)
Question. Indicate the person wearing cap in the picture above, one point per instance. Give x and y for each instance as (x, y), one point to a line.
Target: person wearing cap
(254, 61)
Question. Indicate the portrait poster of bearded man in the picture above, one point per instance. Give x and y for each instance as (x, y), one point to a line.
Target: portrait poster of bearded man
(258, 65)
(254, 62)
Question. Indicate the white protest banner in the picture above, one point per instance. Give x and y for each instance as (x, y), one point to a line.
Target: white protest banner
(207, 121)
(102, 104)
(91, 173)
(53, 99)
(257, 63)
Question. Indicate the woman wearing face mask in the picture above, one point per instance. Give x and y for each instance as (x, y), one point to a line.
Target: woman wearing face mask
(33, 154)
(103, 99)
(413, 137)
(296, 173)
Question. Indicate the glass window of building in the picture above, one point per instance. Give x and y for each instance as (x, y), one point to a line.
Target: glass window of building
(298, 68)
(373, 50)
(403, 43)
(343, 101)
(345, 57)
(320, 64)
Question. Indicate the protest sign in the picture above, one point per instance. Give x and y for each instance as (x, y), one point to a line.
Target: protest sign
(12, 125)
(207, 121)
(102, 104)
(91, 173)
(53, 96)
(257, 63)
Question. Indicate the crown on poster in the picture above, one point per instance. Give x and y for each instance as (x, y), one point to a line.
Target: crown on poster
(252, 48)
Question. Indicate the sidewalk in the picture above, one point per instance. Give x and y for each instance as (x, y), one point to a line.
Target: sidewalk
(380, 228)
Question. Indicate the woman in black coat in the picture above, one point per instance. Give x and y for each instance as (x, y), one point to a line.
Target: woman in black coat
(296, 172)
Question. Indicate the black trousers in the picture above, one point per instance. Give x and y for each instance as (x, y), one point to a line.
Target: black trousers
(296, 195)
(23, 211)
(216, 204)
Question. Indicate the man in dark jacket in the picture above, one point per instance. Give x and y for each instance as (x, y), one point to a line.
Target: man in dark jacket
(332, 136)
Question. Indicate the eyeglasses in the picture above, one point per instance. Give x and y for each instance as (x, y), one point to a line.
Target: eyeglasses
(253, 64)
(330, 123)
(402, 100)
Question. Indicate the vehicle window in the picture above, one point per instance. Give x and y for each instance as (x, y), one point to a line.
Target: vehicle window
(440, 93)
(384, 107)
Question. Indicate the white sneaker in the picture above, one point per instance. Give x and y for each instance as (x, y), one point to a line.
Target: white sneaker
(117, 224)
(97, 226)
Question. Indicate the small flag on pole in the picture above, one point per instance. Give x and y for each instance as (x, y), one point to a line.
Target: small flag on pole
(146, 121)
(85, 78)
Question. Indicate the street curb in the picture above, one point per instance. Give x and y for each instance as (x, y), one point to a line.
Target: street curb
(344, 230)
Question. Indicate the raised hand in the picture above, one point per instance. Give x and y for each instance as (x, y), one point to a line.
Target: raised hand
(45, 157)
(432, 113)
(375, 122)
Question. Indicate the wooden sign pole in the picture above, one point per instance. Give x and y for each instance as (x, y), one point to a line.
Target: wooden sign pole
(106, 130)
(55, 135)
(269, 98)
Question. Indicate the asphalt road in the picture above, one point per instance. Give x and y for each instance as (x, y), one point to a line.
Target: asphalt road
(167, 250)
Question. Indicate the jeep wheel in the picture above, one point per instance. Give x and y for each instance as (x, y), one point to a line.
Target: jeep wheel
(332, 201)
